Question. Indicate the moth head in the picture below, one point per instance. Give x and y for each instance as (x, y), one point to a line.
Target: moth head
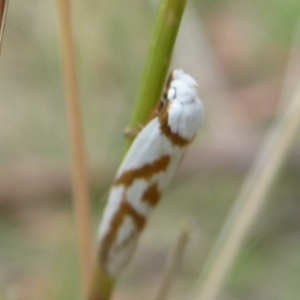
(182, 87)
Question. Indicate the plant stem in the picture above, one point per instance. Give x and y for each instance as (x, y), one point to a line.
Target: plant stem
(172, 265)
(79, 165)
(3, 10)
(102, 285)
(252, 195)
(158, 60)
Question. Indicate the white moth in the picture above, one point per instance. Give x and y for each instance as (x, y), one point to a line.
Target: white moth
(147, 169)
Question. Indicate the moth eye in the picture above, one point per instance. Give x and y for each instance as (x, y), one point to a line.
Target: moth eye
(171, 93)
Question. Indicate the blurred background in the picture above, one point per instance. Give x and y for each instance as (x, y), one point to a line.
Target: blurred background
(245, 56)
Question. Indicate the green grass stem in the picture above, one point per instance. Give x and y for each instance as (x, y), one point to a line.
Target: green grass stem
(158, 61)
(102, 286)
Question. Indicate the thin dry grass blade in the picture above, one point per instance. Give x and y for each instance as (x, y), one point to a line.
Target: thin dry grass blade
(249, 201)
(3, 10)
(79, 165)
(292, 71)
(172, 265)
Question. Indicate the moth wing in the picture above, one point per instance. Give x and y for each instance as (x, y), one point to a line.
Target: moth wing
(149, 144)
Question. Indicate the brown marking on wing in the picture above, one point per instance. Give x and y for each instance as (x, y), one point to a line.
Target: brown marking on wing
(151, 195)
(175, 138)
(146, 171)
(125, 210)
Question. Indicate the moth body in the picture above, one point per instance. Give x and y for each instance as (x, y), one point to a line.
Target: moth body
(147, 170)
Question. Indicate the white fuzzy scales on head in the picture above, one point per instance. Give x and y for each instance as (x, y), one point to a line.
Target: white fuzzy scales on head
(182, 86)
(147, 170)
(186, 111)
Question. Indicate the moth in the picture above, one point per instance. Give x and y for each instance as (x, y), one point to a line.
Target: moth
(147, 170)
